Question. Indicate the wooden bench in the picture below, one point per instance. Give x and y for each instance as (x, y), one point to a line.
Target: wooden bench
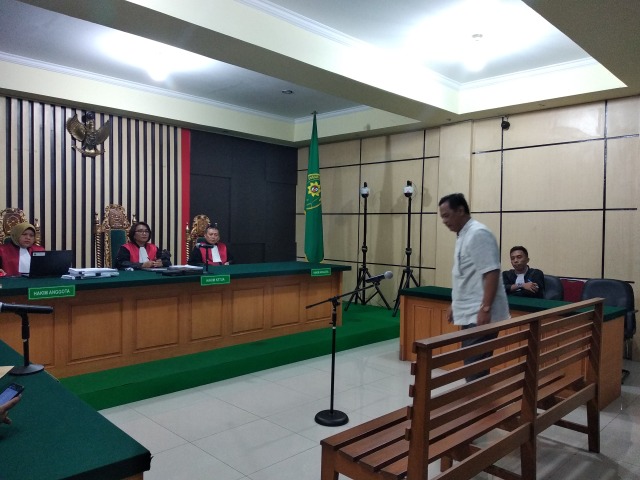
(547, 366)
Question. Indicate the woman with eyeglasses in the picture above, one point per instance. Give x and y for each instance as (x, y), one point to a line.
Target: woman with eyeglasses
(139, 252)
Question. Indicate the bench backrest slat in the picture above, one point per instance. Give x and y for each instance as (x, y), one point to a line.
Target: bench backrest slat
(533, 347)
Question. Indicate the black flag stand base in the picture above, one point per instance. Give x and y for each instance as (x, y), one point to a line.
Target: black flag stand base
(331, 417)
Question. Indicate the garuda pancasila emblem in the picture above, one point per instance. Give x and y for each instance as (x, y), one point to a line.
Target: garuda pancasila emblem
(87, 134)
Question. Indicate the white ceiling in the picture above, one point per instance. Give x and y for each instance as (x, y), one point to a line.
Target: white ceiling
(347, 60)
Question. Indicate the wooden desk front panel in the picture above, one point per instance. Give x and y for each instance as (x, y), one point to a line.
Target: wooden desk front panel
(102, 329)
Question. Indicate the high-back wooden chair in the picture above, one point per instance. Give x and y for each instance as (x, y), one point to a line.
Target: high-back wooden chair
(9, 218)
(111, 234)
(195, 232)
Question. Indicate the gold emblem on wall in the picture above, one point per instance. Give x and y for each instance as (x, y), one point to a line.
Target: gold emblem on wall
(87, 134)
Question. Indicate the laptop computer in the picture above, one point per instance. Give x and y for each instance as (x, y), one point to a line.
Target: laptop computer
(50, 263)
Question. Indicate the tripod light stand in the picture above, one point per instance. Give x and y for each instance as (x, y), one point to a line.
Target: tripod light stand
(407, 273)
(359, 294)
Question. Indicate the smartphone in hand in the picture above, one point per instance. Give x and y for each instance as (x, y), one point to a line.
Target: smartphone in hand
(10, 392)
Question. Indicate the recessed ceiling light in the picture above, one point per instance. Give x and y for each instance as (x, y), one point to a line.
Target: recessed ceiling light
(287, 92)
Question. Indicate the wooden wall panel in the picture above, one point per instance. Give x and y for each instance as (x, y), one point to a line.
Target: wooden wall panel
(95, 332)
(555, 177)
(248, 310)
(206, 315)
(156, 322)
(41, 340)
(286, 311)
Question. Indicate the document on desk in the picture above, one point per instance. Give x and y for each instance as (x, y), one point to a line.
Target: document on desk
(185, 267)
(93, 272)
(4, 370)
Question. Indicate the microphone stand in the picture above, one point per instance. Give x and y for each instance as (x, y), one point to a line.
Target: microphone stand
(363, 272)
(206, 261)
(331, 417)
(206, 248)
(28, 368)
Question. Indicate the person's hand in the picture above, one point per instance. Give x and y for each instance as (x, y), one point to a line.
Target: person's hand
(531, 286)
(157, 263)
(4, 409)
(3, 273)
(484, 317)
(147, 264)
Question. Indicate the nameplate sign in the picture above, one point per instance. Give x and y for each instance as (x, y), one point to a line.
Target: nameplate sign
(206, 280)
(320, 272)
(41, 293)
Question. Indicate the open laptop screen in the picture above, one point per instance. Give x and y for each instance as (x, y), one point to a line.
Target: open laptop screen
(50, 263)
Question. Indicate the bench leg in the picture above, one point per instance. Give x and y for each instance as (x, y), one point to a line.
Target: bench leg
(593, 426)
(528, 456)
(327, 471)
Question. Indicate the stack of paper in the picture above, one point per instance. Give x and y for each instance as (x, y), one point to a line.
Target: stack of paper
(185, 267)
(93, 272)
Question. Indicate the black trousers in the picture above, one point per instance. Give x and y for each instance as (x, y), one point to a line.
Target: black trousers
(475, 358)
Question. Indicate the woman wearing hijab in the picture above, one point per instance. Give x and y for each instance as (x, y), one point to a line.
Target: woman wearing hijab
(139, 252)
(15, 256)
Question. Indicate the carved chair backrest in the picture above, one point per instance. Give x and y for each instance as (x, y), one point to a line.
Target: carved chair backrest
(10, 217)
(111, 233)
(196, 231)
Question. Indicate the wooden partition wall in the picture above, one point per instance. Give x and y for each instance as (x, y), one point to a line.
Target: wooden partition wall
(562, 182)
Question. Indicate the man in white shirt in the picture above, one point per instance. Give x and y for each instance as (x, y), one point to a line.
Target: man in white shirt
(478, 295)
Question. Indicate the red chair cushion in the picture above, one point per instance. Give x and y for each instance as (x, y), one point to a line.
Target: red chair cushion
(572, 289)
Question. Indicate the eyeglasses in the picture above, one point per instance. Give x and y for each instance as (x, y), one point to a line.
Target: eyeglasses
(142, 231)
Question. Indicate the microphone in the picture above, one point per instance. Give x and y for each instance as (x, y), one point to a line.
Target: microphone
(204, 245)
(15, 308)
(380, 277)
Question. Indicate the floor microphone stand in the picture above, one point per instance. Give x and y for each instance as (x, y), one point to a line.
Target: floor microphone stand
(358, 294)
(28, 368)
(331, 417)
(407, 272)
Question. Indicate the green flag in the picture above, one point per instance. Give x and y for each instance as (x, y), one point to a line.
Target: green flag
(313, 242)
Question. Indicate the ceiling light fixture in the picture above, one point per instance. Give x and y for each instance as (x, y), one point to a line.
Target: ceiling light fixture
(287, 92)
(476, 54)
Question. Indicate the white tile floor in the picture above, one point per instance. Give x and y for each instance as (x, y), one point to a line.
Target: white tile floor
(261, 426)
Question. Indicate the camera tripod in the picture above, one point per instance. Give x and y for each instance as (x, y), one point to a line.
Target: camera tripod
(407, 272)
(359, 294)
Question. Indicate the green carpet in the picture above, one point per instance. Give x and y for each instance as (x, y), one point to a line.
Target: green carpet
(361, 325)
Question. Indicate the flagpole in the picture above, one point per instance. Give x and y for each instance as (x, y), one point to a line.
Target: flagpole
(313, 234)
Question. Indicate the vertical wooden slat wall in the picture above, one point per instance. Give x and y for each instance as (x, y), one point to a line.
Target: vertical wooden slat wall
(50, 181)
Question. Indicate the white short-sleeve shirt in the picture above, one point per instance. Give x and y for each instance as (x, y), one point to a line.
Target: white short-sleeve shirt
(476, 253)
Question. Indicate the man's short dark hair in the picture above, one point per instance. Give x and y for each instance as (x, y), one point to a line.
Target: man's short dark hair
(519, 247)
(455, 201)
